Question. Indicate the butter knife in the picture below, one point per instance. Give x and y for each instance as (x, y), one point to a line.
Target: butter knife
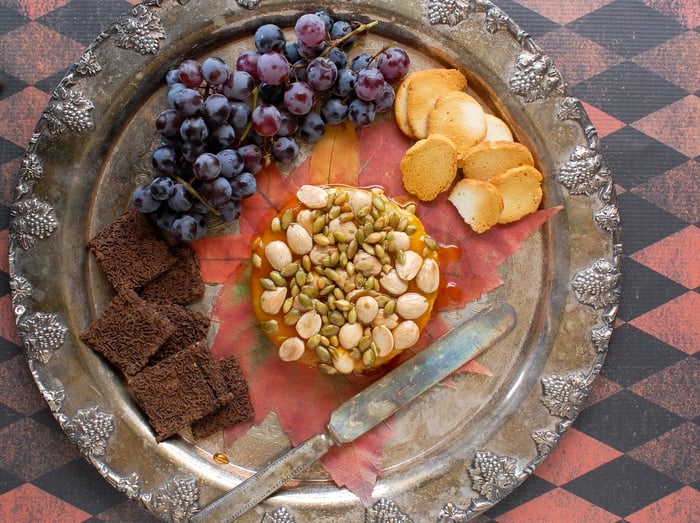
(368, 408)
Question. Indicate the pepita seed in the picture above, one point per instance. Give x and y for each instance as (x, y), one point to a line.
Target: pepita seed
(291, 317)
(380, 223)
(346, 216)
(390, 307)
(334, 212)
(288, 304)
(403, 223)
(400, 257)
(319, 224)
(378, 203)
(300, 278)
(276, 224)
(365, 342)
(369, 283)
(322, 354)
(430, 242)
(328, 289)
(306, 263)
(411, 230)
(411, 207)
(368, 228)
(309, 290)
(362, 212)
(342, 198)
(325, 342)
(287, 218)
(330, 330)
(369, 249)
(321, 307)
(334, 341)
(379, 251)
(332, 274)
(337, 318)
(355, 354)
(269, 326)
(278, 279)
(327, 369)
(267, 284)
(352, 249)
(368, 358)
(352, 315)
(343, 305)
(257, 261)
(394, 220)
(339, 294)
(375, 237)
(289, 270)
(340, 237)
(343, 260)
(305, 300)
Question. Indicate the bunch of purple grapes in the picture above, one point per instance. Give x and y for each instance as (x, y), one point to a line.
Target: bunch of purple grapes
(222, 125)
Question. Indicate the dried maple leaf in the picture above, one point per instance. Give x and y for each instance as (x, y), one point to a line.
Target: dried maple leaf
(303, 398)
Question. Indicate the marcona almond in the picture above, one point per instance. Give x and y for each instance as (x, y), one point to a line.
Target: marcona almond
(383, 339)
(312, 196)
(428, 277)
(309, 324)
(291, 349)
(411, 305)
(271, 301)
(305, 217)
(367, 264)
(393, 283)
(367, 309)
(350, 335)
(401, 241)
(387, 320)
(299, 239)
(412, 262)
(343, 363)
(360, 200)
(406, 334)
(278, 254)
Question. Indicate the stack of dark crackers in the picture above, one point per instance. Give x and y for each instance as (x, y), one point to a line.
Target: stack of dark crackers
(149, 334)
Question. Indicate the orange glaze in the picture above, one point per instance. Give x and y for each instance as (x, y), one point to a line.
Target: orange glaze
(309, 358)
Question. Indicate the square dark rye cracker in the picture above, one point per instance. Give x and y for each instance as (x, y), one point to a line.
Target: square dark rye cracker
(130, 252)
(189, 327)
(179, 390)
(181, 284)
(128, 332)
(238, 410)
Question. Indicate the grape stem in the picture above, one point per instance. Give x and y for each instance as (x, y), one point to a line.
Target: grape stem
(196, 194)
(249, 126)
(362, 28)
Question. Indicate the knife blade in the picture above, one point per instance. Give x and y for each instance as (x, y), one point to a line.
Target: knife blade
(368, 408)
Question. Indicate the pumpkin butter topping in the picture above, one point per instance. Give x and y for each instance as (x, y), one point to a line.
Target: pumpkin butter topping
(344, 279)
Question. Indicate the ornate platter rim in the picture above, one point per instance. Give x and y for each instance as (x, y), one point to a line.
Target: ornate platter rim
(532, 82)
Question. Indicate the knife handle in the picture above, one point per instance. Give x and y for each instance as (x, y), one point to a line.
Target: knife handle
(253, 490)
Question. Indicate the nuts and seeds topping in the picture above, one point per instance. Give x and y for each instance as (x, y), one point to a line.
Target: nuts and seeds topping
(344, 279)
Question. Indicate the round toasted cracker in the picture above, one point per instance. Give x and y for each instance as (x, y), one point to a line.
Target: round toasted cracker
(401, 104)
(487, 159)
(521, 190)
(460, 117)
(478, 202)
(497, 130)
(429, 167)
(423, 92)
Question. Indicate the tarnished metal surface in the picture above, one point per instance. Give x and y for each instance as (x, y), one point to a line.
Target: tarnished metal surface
(457, 451)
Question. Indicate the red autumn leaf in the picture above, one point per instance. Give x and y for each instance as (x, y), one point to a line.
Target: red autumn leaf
(302, 398)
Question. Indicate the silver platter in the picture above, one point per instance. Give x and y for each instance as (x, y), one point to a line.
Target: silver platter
(457, 451)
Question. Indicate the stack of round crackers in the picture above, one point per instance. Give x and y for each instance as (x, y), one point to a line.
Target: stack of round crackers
(499, 182)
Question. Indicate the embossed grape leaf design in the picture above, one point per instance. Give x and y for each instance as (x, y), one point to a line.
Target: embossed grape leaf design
(303, 398)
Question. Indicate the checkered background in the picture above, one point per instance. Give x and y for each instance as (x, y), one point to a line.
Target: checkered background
(634, 454)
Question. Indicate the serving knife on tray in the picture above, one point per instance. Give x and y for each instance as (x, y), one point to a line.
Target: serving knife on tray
(368, 408)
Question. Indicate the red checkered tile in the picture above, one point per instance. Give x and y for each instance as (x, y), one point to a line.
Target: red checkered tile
(675, 257)
(674, 125)
(675, 322)
(685, 11)
(575, 455)
(29, 504)
(564, 12)
(676, 60)
(604, 123)
(33, 9)
(675, 191)
(676, 388)
(18, 123)
(676, 453)
(557, 506)
(680, 507)
(16, 380)
(34, 62)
